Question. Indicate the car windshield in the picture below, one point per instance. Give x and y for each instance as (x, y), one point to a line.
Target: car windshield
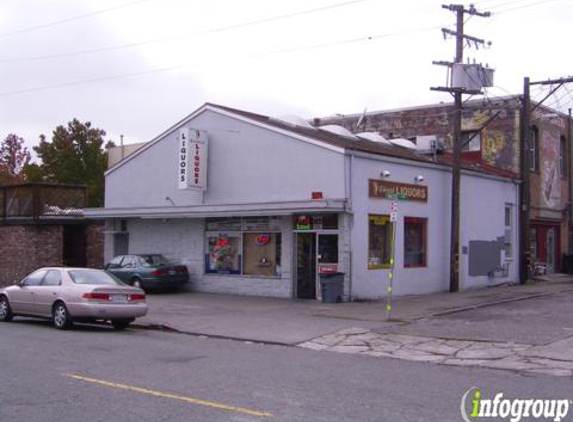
(154, 260)
(93, 277)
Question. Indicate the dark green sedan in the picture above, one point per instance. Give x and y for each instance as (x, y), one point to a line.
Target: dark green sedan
(148, 271)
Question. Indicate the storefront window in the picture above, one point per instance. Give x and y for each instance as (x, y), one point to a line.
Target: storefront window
(223, 254)
(414, 242)
(243, 246)
(379, 241)
(262, 254)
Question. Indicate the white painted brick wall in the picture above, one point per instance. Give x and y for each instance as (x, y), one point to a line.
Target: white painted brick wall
(183, 241)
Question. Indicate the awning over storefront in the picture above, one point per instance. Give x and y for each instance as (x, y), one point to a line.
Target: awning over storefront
(227, 210)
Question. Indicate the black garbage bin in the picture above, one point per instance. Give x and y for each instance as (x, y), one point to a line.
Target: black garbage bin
(567, 266)
(332, 287)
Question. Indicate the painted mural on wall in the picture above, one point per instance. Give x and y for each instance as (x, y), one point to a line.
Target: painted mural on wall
(549, 169)
(499, 141)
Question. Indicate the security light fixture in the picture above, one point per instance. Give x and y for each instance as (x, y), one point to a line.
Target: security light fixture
(385, 174)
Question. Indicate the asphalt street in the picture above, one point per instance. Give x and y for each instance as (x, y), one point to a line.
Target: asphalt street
(537, 321)
(96, 374)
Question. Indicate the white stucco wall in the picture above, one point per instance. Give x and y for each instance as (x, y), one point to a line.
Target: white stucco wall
(183, 241)
(482, 218)
(247, 164)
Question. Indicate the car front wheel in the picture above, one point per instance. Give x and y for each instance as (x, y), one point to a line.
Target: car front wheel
(5, 310)
(61, 317)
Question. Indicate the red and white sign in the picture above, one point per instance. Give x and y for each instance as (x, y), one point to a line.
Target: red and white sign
(183, 161)
(193, 148)
(327, 268)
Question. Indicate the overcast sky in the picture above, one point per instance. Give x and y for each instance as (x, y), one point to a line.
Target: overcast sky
(137, 67)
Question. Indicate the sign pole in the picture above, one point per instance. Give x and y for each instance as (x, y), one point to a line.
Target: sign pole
(390, 288)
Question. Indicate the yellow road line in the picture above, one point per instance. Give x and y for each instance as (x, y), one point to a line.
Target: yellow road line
(206, 403)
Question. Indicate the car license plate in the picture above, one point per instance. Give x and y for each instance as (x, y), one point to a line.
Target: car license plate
(171, 272)
(118, 298)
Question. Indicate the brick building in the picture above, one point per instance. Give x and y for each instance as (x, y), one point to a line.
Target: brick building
(492, 132)
(43, 225)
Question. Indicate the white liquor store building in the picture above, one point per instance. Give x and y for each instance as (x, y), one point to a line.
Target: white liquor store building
(255, 205)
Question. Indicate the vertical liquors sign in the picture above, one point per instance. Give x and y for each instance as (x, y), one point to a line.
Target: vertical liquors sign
(192, 161)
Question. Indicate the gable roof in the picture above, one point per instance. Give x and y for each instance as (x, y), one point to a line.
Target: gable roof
(316, 136)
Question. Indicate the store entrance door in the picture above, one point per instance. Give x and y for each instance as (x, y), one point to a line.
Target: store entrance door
(306, 265)
(316, 253)
(546, 239)
(550, 242)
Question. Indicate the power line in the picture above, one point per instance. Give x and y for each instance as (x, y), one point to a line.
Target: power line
(349, 41)
(180, 67)
(179, 37)
(501, 5)
(72, 19)
(88, 81)
(524, 6)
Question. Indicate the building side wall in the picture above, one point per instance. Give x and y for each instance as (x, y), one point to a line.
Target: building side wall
(246, 164)
(372, 284)
(26, 248)
(482, 221)
(482, 227)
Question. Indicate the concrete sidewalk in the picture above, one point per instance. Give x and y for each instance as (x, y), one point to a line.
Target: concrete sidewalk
(483, 328)
(291, 322)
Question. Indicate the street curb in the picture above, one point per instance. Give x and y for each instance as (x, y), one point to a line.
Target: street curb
(494, 303)
(171, 329)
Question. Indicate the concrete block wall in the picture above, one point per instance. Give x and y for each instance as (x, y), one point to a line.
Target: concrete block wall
(183, 241)
(27, 247)
(179, 240)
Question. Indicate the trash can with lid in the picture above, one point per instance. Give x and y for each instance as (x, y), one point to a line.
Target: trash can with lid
(332, 287)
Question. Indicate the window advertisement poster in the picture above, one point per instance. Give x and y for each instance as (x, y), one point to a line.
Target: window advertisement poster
(223, 254)
(379, 241)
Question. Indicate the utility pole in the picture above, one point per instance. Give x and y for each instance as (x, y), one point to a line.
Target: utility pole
(524, 150)
(569, 167)
(458, 92)
(525, 194)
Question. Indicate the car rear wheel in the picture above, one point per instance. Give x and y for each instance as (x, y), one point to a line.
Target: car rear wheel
(121, 324)
(5, 310)
(61, 317)
(136, 282)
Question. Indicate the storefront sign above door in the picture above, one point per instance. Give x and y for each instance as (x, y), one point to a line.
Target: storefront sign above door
(392, 190)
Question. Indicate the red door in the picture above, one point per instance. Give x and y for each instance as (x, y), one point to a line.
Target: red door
(545, 246)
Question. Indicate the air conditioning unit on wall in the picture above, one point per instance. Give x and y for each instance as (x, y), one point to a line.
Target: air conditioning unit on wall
(431, 143)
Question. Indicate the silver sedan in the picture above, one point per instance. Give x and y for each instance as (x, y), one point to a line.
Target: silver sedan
(68, 295)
